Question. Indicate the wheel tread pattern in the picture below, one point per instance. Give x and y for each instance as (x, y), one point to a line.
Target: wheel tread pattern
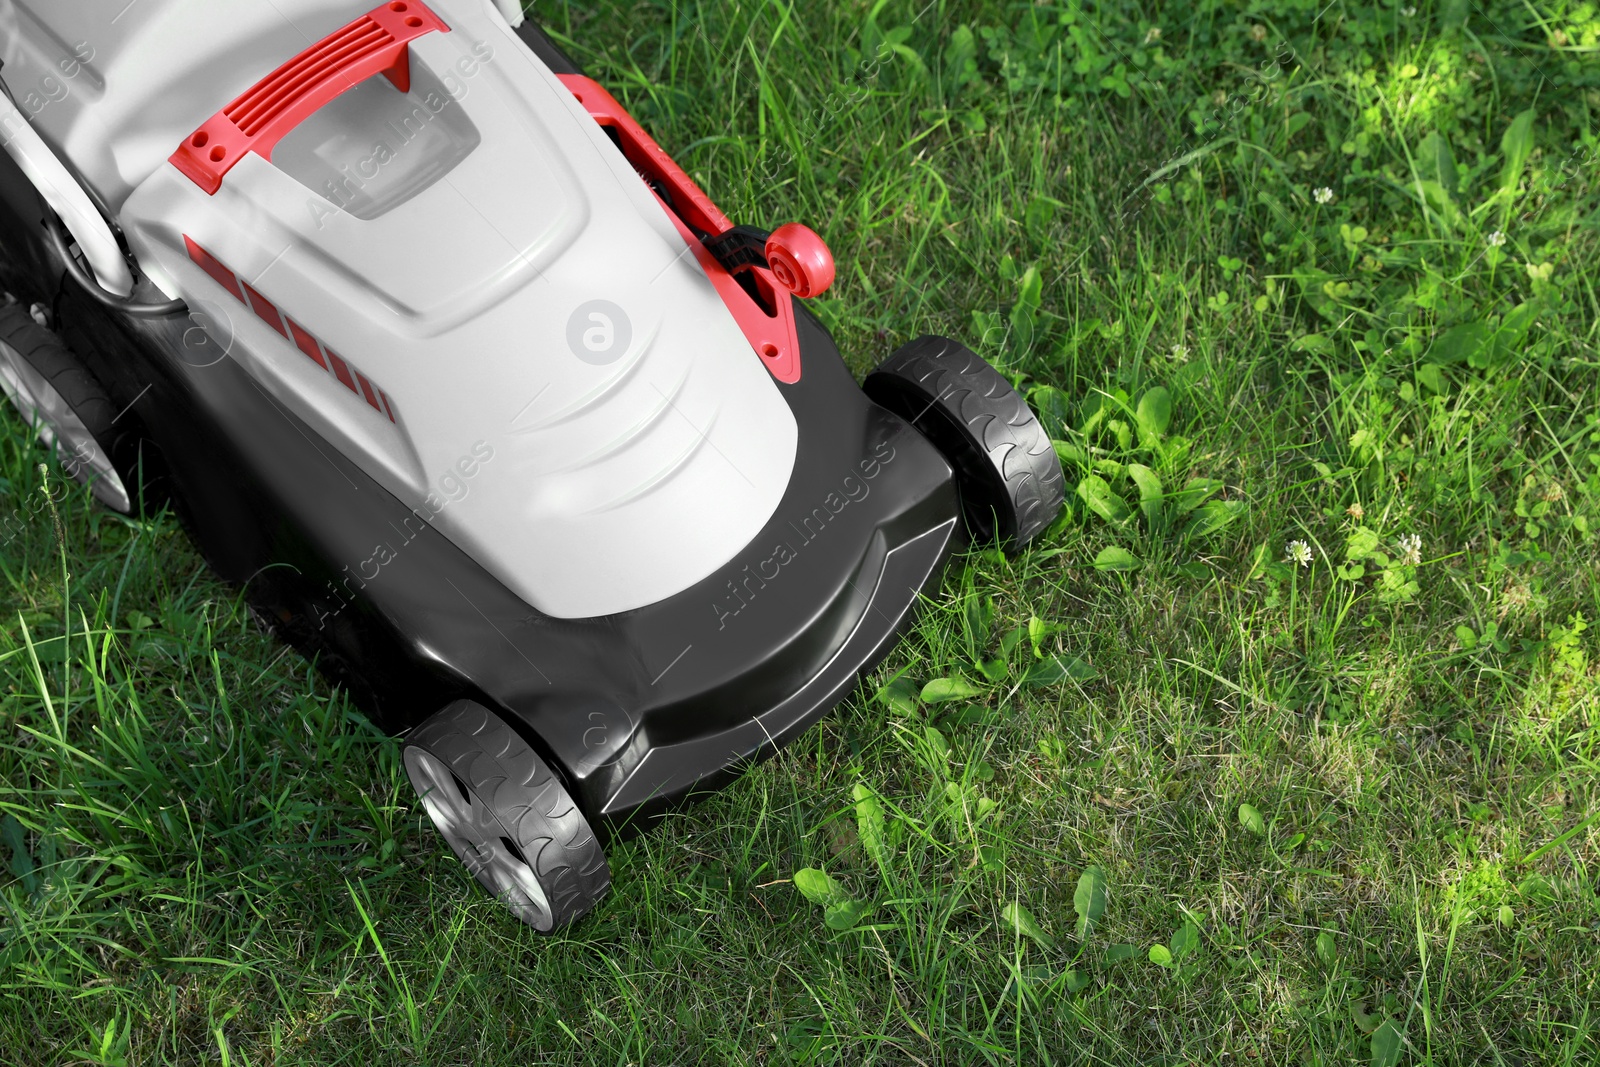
(511, 779)
(996, 417)
(117, 432)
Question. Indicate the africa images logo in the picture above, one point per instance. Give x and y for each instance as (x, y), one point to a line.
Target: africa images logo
(599, 332)
(743, 589)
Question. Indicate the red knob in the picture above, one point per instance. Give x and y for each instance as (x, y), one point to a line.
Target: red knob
(800, 260)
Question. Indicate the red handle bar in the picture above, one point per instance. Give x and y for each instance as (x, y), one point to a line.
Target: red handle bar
(378, 42)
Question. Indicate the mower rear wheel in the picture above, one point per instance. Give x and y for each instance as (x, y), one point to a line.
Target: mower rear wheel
(68, 408)
(506, 816)
(1007, 473)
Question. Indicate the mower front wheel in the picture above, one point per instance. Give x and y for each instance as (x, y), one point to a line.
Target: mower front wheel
(1007, 473)
(506, 815)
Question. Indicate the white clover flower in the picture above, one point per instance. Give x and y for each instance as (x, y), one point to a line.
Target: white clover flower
(1298, 552)
(1410, 546)
(1408, 12)
(1496, 239)
(1180, 353)
(1323, 195)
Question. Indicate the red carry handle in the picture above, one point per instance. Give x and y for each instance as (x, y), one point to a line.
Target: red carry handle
(378, 42)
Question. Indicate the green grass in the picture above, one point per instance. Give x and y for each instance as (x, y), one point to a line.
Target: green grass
(212, 858)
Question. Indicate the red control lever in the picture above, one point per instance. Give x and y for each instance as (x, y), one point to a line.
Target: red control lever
(378, 42)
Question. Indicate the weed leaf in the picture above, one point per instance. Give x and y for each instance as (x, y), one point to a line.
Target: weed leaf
(1386, 1044)
(1040, 214)
(845, 914)
(1437, 163)
(1151, 493)
(1097, 495)
(817, 887)
(1366, 1023)
(942, 690)
(1089, 900)
(1185, 940)
(1251, 820)
(1054, 670)
(1024, 318)
(1115, 558)
(1506, 342)
(1327, 950)
(1119, 952)
(960, 61)
(1516, 144)
(1439, 199)
(1460, 343)
(980, 624)
(970, 715)
(1214, 515)
(1194, 493)
(1053, 409)
(1160, 956)
(993, 670)
(869, 826)
(899, 696)
(1314, 342)
(1022, 922)
(1037, 629)
(1070, 454)
(1154, 415)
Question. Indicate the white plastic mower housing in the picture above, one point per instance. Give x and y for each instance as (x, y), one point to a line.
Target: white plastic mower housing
(427, 249)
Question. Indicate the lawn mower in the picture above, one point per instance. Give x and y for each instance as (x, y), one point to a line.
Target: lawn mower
(478, 399)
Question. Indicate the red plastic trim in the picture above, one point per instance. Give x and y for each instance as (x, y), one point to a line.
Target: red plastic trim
(368, 391)
(647, 156)
(268, 313)
(772, 336)
(307, 344)
(213, 266)
(378, 42)
(265, 309)
(341, 370)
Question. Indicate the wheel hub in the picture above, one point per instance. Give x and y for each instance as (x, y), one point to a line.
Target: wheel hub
(478, 838)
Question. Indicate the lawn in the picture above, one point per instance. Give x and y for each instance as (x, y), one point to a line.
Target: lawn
(1280, 747)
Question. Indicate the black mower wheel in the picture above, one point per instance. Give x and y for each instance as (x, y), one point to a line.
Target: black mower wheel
(1007, 473)
(506, 816)
(57, 394)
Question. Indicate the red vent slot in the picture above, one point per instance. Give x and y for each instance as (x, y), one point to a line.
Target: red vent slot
(268, 312)
(378, 42)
